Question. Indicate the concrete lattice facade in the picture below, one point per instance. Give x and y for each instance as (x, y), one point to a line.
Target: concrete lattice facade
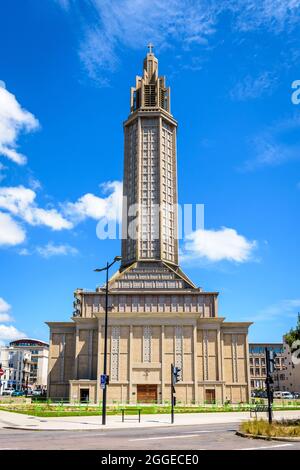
(156, 314)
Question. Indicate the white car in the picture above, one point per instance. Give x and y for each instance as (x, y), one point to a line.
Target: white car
(284, 395)
(7, 391)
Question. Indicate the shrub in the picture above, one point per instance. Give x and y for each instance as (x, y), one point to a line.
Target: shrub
(283, 428)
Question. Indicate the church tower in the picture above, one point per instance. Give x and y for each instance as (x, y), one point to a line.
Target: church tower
(156, 315)
(150, 174)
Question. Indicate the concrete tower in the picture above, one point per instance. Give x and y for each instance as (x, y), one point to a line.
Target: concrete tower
(150, 176)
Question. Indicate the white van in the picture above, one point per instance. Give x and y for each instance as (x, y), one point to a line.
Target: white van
(284, 395)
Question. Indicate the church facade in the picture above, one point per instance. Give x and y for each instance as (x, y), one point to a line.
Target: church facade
(157, 316)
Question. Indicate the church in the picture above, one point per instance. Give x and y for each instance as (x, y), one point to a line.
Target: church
(156, 315)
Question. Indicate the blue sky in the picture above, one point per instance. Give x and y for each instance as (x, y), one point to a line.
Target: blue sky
(66, 70)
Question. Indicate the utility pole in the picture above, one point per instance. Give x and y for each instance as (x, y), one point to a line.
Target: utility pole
(172, 393)
(175, 377)
(270, 361)
(105, 377)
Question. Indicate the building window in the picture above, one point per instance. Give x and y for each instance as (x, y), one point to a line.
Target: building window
(147, 344)
(115, 340)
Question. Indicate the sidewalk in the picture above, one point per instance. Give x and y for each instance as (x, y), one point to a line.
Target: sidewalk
(81, 423)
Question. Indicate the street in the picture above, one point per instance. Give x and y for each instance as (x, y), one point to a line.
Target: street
(195, 437)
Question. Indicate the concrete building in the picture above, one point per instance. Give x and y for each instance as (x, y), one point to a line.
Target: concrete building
(290, 381)
(157, 316)
(39, 351)
(258, 371)
(16, 366)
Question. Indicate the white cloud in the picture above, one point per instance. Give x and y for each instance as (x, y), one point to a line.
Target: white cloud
(4, 306)
(7, 332)
(24, 252)
(96, 207)
(218, 245)
(272, 146)
(13, 120)
(10, 333)
(64, 3)
(253, 87)
(11, 233)
(116, 24)
(5, 317)
(51, 249)
(2, 170)
(282, 309)
(20, 202)
(134, 23)
(274, 15)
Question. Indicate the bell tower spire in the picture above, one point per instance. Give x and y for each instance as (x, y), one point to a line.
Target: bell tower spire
(150, 90)
(150, 173)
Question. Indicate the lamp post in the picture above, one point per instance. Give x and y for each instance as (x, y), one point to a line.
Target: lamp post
(106, 268)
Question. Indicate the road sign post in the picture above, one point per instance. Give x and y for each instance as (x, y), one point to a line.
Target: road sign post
(269, 381)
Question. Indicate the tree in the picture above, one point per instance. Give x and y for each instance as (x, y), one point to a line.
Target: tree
(293, 334)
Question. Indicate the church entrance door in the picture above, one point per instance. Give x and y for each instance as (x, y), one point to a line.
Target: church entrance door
(147, 393)
(210, 396)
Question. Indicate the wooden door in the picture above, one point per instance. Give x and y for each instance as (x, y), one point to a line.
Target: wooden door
(210, 396)
(147, 393)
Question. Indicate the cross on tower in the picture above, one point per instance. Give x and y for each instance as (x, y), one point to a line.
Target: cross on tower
(150, 47)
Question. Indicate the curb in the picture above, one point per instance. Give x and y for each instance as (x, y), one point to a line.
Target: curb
(104, 429)
(268, 438)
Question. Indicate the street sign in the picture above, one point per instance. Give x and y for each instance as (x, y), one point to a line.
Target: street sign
(1, 372)
(102, 381)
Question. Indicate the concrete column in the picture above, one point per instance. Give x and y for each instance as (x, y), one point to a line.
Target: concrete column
(219, 357)
(162, 349)
(139, 182)
(62, 357)
(130, 364)
(99, 363)
(90, 353)
(195, 364)
(76, 352)
(222, 365)
(248, 392)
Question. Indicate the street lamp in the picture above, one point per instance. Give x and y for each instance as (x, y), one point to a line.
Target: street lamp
(106, 268)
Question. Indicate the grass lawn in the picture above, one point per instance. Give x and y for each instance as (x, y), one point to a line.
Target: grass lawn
(59, 410)
(284, 428)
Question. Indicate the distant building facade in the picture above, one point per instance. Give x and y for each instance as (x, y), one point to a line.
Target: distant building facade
(39, 351)
(291, 380)
(16, 365)
(257, 363)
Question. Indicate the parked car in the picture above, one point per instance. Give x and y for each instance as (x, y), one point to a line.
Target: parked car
(18, 393)
(287, 395)
(7, 391)
(296, 395)
(36, 393)
(284, 395)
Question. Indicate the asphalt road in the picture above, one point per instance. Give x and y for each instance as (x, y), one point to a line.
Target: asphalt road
(204, 437)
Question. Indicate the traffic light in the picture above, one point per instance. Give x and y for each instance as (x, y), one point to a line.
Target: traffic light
(176, 375)
(272, 364)
(272, 361)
